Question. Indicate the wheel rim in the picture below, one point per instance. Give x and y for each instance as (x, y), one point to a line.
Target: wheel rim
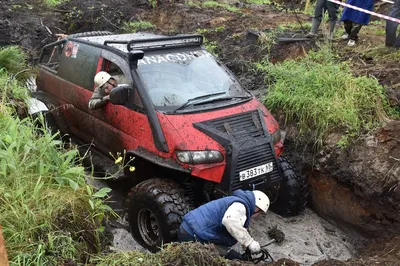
(148, 227)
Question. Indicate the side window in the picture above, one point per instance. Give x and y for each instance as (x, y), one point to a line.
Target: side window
(51, 56)
(115, 71)
(78, 64)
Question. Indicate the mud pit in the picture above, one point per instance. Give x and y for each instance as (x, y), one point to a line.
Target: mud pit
(309, 238)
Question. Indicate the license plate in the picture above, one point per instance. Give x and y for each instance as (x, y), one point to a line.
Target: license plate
(256, 171)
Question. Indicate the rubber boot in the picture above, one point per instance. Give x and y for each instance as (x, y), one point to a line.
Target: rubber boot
(332, 25)
(314, 28)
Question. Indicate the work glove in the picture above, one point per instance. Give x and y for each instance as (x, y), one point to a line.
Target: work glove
(254, 247)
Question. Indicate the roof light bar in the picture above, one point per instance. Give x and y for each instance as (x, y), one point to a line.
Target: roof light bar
(165, 42)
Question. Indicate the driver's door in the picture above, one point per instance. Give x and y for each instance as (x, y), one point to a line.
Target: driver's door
(117, 127)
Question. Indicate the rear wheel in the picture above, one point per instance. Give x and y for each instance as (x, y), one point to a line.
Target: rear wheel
(292, 194)
(156, 208)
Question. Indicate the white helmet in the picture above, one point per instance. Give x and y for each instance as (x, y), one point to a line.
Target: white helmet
(101, 78)
(262, 200)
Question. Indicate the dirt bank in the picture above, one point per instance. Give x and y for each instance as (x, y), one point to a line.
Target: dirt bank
(366, 194)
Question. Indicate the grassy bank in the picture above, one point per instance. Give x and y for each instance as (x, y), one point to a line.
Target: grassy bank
(172, 254)
(48, 213)
(321, 94)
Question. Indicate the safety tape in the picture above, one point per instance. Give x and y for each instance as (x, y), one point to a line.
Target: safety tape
(365, 11)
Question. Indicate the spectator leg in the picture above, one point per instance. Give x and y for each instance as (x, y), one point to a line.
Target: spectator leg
(391, 26)
(354, 32)
(348, 26)
(318, 13)
(333, 10)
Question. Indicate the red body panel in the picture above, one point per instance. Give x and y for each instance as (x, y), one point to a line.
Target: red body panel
(116, 128)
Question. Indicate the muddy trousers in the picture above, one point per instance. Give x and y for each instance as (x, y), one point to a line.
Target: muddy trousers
(352, 29)
(224, 251)
(320, 8)
(391, 26)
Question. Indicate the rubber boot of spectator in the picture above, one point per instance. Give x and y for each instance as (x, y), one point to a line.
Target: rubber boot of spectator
(332, 25)
(314, 28)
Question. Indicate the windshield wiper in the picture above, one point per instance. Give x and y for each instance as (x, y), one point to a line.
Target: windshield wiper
(198, 98)
(224, 99)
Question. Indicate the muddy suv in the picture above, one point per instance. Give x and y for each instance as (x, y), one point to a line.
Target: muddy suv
(195, 132)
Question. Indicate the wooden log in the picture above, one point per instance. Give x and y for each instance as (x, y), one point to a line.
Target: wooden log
(3, 253)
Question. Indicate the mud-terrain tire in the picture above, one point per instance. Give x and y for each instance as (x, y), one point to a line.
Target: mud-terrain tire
(90, 34)
(155, 211)
(292, 194)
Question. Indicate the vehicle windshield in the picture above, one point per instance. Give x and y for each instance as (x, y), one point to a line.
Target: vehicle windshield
(182, 80)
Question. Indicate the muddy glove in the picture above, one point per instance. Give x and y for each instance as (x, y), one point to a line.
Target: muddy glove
(254, 247)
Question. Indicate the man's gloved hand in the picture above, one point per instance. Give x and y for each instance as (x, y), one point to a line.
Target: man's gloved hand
(254, 247)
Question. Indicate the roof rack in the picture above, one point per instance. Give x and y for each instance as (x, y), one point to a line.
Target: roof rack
(161, 43)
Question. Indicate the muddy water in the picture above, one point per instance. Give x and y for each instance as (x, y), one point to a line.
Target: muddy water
(308, 238)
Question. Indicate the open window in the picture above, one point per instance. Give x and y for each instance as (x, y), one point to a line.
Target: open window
(51, 56)
(116, 72)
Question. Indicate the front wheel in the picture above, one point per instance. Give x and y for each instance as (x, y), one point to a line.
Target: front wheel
(156, 208)
(292, 194)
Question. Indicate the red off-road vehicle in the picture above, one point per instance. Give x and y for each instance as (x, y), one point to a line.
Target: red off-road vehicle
(195, 132)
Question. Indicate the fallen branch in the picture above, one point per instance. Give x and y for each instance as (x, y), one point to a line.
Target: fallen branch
(62, 11)
(112, 24)
(396, 159)
(44, 26)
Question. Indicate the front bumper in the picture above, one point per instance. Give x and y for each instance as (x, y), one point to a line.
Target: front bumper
(247, 144)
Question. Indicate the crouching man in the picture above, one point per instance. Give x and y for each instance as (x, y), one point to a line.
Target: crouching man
(224, 222)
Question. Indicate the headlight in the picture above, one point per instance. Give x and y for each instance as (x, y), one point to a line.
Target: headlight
(276, 136)
(199, 157)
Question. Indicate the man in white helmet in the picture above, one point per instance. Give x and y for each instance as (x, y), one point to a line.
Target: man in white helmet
(224, 222)
(104, 83)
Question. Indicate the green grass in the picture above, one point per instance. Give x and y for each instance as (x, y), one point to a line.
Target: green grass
(214, 4)
(48, 213)
(260, 2)
(53, 2)
(171, 254)
(321, 94)
(382, 53)
(137, 26)
(193, 4)
(13, 60)
(211, 46)
(295, 26)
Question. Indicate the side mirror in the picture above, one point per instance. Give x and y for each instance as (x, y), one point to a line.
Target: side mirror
(134, 56)
(120, 95)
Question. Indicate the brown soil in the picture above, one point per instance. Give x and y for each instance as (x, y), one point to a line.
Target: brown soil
(373, 210)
